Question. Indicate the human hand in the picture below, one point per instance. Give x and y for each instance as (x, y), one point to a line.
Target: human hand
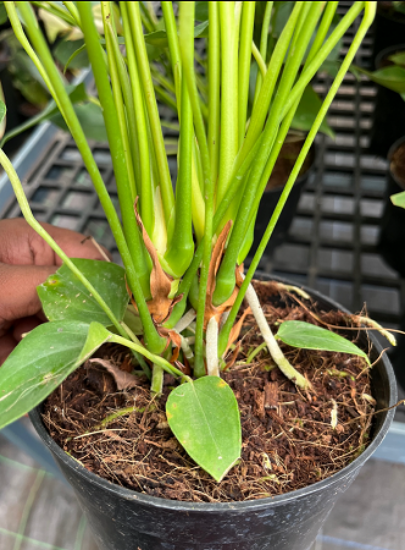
(26, 261)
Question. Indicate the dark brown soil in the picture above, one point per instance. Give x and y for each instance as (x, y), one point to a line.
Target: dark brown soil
(288, 439)
(286, 160)
(397, 164)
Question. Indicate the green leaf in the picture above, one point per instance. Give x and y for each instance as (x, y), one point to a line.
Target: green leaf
(398, 58)
(392, 77)
(40, 363)
(204, 417)
(156, 38)
(398, 199)
(159, 38)
(3, 14)
(201, 11)
(307, 336)
(76, 93)
(201, 30)
(64, 297)
(91, 119)
(72, 53)
(307, 111)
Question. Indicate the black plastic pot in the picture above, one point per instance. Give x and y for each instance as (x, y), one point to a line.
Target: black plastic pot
(392, 224)
(268, 203)
(389, 110)
(125, 520)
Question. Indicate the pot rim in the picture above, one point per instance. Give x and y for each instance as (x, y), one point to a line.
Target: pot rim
(251, 505)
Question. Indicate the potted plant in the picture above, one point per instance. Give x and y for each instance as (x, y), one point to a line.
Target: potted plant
(172, 310)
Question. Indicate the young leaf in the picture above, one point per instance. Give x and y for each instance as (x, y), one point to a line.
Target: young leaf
(64, 297)
(398, 199)
(42, 360)
(304, 335)
(204, 417)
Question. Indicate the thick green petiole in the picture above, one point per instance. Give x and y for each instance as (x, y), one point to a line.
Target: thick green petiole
(117, 88)
(150, 100)
(117, 147)
(181, 248)
(245, 54)
(147, 210)
(364, 26)
(226, 275)
(63, 101)
(187, 51)
(153, 340)
(229, 97)
(214, 83)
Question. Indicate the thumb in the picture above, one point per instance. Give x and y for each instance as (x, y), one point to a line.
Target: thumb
(18, 290)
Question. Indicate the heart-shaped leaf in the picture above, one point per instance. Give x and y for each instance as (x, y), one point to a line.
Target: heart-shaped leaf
(41, 361)
(64, 297)
(204, 417)
(307, 336)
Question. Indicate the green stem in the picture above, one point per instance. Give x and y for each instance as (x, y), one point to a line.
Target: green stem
(187, 52)
(146, 189)
(156, 359)
(118, 100)
(181, 247)
(285, 126)
(174, 48)
(364, 26)
(150, 99)
(214, 83)
(263, 46)
(259, 60)
(218, 222)
(226, 276)
(70, 6)
(139, 283)
(156, 386)
(229, 98)
(269, 82)
(63, 101)
(245, 54)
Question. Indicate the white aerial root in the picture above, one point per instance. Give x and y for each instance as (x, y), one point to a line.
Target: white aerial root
(373, 324)
(296, 289)
(334, 414)
(274, 349)
(212, 347)
(185, 321)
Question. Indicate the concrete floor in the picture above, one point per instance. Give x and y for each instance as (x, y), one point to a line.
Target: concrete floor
(38, 511)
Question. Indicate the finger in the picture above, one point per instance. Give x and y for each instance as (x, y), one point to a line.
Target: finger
(23, 326)
(21, 245)
(7, 344)
(18, 293)
(75, 245)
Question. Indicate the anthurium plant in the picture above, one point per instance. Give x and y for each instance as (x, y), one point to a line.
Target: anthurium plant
(175, 301)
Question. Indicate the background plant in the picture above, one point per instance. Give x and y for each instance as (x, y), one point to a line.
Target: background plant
(182, 248)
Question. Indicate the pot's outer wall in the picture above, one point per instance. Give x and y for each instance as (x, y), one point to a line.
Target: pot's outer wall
(124, 520)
